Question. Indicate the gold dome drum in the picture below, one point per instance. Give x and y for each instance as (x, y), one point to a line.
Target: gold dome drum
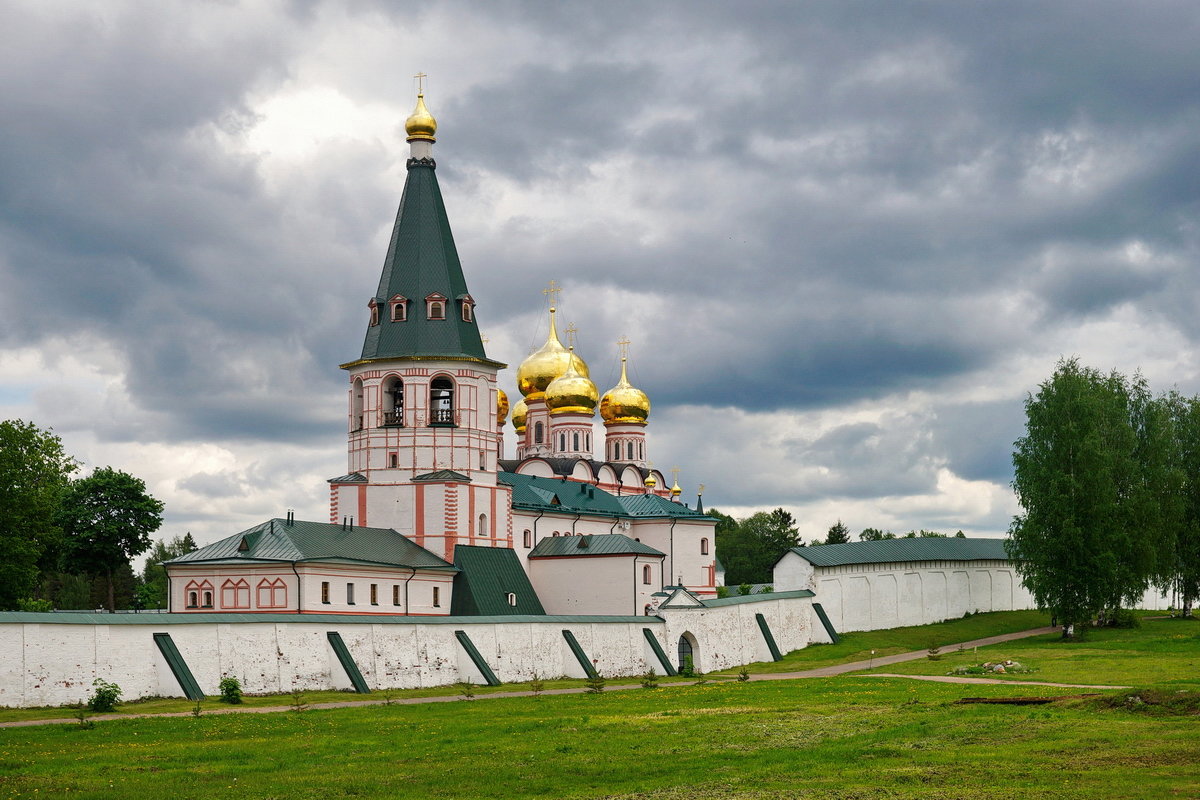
(519, 413)
(624, 403)
(572, 393)
(420, 123)
(501, 406)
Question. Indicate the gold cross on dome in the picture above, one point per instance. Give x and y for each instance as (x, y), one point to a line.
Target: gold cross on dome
(675, 473)
(623, 343)
(701, 489)
(484, 339)
(552, 291)
(420, 76)
(571, 330)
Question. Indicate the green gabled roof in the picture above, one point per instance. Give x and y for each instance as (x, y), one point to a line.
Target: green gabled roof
(652, 505)
(888, 551)
(553, 494)
(573, 497)
(738, 599)
(280, 540)
(601, 544)
(443, 475)
(487, 576)
(422, 260)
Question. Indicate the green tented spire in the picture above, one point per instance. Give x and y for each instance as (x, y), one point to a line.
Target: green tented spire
(422, 262)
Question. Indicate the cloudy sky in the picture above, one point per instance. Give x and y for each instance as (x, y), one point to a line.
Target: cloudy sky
(846, 239)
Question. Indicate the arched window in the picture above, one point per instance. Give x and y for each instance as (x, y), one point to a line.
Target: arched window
(235, 594)
(441, 401)
(193, 600)
(646, 573)
(374, 307)
(356, 406)
(537, 433)
(435, 306)
(704, 546)
(562, 442)
(272, 593)
(641, 449)
(687, 653)
(199, 594)
(437, 597)
(528, 538)
(466, 312)
(512, 599)
(399, 308)
(393, 402)
(631, 451)
(575, 440)
(207, 600)
(483, 531)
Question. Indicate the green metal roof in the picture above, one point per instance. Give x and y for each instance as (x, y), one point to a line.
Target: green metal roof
(888, 551)
(422, 260)
(602, 544)
(443, 475)
(279, 540)
(574, 497)
(755, 598)
(487, 576)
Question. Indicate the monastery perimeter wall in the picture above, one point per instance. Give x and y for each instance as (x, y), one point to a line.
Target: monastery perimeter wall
(52, 659)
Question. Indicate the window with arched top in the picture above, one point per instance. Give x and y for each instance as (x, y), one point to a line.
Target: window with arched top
(441, 401)
(538, 433)
(704, 546)
(575, 440)
(374, 309)
(356, 406)
(393, 402)
(435, 306)
(641, 449)
(467, 314)
(398, 307)
(527, 540)
(483, 529)
(199, 594)
(631, 451)
(207, 600)
(512, 599)
(562, 442)
(193, 599)
(646, 573)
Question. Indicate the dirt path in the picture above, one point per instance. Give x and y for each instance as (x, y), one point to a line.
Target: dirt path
(820, 672)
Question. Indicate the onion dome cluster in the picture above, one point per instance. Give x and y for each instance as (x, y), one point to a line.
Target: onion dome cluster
(572, 393)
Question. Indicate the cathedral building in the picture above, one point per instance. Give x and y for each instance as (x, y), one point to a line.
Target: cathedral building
(428, 494)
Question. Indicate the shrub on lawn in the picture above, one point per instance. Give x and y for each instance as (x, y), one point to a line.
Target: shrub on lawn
(105, 697)
(231, 690)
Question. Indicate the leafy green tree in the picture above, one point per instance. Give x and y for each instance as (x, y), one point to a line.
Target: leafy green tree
(1074, 470)
(1182, 575)
(153, 589)
(34, 472)
(750, 548)
(107, 519)
(838, 534)
(875, 535)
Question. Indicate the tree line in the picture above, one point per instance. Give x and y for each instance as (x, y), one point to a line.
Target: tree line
(749, 548)
(1108, 479)
(67, 541)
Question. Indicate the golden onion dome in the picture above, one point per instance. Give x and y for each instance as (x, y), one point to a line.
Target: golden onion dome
(501, 407)
(420, 123)
(547, 363)
(519, 412)
(675, 490)
(650, 481)
(572, 393)
(624, 403)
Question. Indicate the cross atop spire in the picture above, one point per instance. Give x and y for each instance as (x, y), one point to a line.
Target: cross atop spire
(571, 331)
(623, 343)
(552, 291)
(420, 76)
(675, 473)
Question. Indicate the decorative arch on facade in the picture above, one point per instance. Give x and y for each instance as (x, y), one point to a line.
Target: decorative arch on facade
(441, 400)
(583, 471)
(606, 474)
(483, 526)
(356, 405)
(631, 476)
(235, 594)
(536, 466)
(272, 593)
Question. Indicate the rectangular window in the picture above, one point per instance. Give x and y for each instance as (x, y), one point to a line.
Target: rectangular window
(349, 594)
(396, 595)
(325, 592)
(528, 538)
(437, 602)
(374, 594)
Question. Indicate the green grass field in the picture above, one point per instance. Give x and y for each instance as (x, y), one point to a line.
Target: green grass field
(855, 736)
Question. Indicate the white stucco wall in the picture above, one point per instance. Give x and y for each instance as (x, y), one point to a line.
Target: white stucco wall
(595, 584)
(860, 597)
(54, 663)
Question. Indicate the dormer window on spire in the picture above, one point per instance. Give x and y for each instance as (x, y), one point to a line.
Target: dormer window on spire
(398, 308)
(468, 307)
(435, 306)
(374, 306)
